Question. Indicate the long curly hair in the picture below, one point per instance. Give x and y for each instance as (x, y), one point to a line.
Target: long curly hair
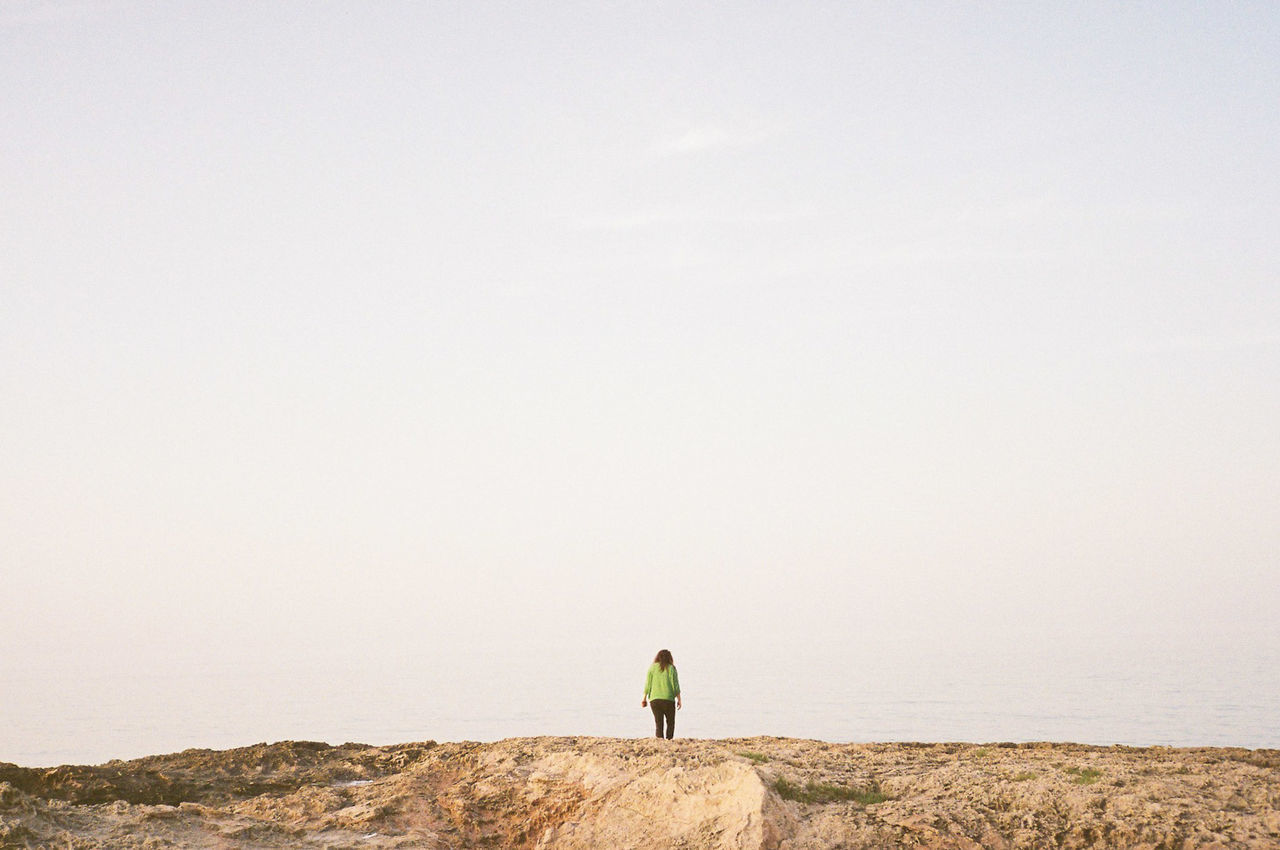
(663, 659)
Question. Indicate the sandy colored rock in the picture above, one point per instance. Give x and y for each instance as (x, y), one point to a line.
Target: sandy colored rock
(548, 793)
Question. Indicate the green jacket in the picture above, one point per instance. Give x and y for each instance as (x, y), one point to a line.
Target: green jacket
(661, 684)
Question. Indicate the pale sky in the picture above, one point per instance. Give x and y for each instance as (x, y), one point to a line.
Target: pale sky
(425, 325)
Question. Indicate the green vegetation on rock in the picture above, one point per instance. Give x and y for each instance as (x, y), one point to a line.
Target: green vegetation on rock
(825, 792)
(1084, 775)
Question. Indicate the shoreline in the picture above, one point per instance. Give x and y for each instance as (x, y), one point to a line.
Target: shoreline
(478, 742)
(1002, 744)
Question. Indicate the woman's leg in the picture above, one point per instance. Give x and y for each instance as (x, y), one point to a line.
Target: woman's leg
(663, 709)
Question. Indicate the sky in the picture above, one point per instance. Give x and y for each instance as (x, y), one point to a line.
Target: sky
(399, 329)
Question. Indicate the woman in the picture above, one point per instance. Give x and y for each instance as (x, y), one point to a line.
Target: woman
(661, 686)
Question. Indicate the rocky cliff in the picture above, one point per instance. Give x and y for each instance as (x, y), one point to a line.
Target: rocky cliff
(608, 793)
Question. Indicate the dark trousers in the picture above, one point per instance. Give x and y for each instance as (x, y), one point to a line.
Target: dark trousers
(663, 708)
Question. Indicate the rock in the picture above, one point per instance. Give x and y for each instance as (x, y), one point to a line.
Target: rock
(569, 793)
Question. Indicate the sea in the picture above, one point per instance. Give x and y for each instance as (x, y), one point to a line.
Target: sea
(1182, 693)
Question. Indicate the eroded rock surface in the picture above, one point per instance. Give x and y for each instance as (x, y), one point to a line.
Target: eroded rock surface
(778, 793)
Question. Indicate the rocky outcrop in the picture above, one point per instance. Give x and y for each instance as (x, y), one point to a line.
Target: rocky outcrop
(605, 793)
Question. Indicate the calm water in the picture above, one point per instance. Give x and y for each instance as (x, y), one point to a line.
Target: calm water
(1137, 693)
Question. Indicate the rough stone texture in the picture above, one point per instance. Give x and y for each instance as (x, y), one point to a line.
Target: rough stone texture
(606, 793)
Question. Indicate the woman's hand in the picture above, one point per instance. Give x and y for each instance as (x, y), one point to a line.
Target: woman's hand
(679, 702)
(643, 703)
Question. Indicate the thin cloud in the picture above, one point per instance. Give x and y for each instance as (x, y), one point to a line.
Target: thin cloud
(1049, 208)
(1190, 343)
(660, 217)
(697, 140)
(631, 221)
(709, 137)
(18, 13)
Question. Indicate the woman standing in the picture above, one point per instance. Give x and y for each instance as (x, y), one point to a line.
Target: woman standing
(661, 686)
